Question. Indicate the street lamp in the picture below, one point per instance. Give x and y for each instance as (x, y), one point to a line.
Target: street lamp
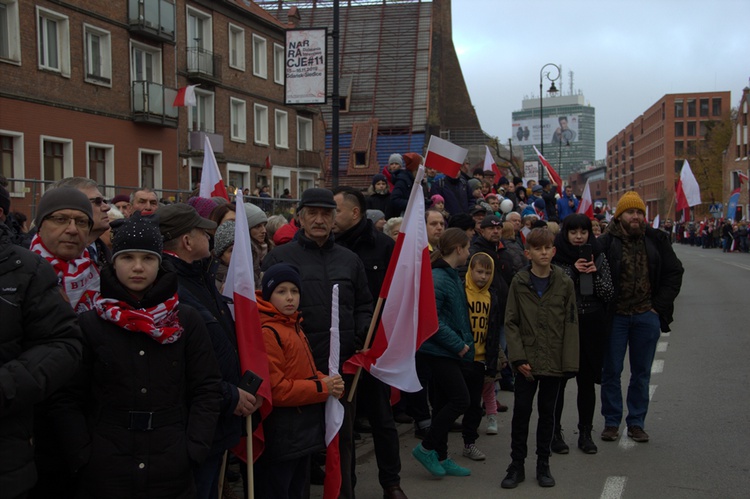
(552, 89)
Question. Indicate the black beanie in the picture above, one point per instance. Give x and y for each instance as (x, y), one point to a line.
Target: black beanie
(275, 275)
(137, 233)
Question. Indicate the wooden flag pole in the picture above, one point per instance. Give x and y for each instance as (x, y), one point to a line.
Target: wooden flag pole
(249, 463)
(222, 471)
(370, 332)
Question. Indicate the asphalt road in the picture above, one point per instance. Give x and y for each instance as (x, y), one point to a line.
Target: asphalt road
(699, 416)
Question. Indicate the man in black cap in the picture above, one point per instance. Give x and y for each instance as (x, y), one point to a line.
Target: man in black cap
(321, 264)
(549, 190)
(186, 247)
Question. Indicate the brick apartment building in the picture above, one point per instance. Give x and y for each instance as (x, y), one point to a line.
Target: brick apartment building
(648, 154)
(86, 89)
(737, 160)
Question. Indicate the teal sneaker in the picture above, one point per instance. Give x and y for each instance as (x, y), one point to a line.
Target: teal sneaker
(428, 459)
(452, 469)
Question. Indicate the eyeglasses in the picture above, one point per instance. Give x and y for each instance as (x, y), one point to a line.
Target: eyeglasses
(64, 220)
(97, 200)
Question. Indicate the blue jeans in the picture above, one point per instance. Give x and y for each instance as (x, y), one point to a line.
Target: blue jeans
(640, 333)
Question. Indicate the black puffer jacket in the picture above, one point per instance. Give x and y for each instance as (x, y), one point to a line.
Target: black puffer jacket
(126, 375)
(321, 267)
(373, 248)
(40, 349)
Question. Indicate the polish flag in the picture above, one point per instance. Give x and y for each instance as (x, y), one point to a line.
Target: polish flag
(334, 409)
(688, 192)
(741, 177)
(409, 314)
(240, 287)
(268, 162)
(586, 206)
(185, 97)
(445, 156)
(211, 183)
(551, 173)
(489, 164)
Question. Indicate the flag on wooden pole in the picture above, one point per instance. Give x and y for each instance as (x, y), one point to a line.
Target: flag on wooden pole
(211, 183)
(445, 156)
(490, 165)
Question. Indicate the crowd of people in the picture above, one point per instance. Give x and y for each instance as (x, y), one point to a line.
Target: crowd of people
(120, 355)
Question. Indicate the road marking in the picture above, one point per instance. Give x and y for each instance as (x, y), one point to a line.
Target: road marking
(744, 267)
(614, 487)
(662, 346)
(625, 442)
(651, 390)
(657, 367)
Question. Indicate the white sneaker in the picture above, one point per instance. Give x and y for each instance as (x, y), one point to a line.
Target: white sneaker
(491, 425)
(473, 453)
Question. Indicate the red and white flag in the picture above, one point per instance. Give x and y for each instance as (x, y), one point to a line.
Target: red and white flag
(688, 192)
(551, 173)
(334, 409)
(586, 206)
(445, 156)
(489, 164)
(267, 164)
(409, 314)
(211, 183)
(185, 97)
(742, 177)
(240, 287)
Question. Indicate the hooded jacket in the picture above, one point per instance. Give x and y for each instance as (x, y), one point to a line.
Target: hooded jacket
(486, 320)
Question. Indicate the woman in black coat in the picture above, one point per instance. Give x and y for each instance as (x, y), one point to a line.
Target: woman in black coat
(143, 409)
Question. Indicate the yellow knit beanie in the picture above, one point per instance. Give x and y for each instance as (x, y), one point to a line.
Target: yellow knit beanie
(628, 201)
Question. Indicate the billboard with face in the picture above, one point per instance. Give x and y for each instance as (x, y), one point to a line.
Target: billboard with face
(556, 129)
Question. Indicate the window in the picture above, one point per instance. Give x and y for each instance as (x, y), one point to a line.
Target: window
(53, 41)
(678, 108)
(98, 56)
(691, 128)
(716, 104)
(691, 108)
(679, 129)
(199, 36)
(236, 47)
(101, 166)
(201, 116)
(260, 67)
(679, 148)
(11, 158)
(691, 150)
(304, 134)
(238, 175)
(281, 129)
(261, 124)
(10, 38)
(238, 117)
(150, 169)
(145, 63)
(704, 128)
(6, 156)
(279, 64)
(57, 158)
(704, 107)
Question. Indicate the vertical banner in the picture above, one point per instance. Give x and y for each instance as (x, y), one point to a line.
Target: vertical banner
(305, 60)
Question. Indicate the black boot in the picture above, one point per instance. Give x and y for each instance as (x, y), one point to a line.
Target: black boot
(558, 442)
(543, 475)
(516, 474)
(585, 443)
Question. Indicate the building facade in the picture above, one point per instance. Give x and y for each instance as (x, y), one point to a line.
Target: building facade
(567, 129)
(88, 90)
(737, 162)
(648, 154)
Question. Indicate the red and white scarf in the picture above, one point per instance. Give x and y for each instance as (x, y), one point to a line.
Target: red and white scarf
(160, 322)
(79, 277)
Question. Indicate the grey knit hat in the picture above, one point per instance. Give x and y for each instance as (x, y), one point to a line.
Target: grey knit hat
(396, 158)
(254, 215)
(63, 198)
(224, 238)
(375, 215)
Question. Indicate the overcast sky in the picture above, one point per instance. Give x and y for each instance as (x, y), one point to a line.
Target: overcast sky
(625, 55)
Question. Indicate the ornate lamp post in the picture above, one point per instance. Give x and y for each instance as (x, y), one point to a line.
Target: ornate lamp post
(554, 69)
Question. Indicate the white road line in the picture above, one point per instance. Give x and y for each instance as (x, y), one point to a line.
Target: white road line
(625, 442)
(614, 487)
(657, 367)
(744, 267)
(662, 346)
(651, 390)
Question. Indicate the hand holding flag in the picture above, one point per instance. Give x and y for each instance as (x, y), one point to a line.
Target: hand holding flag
(334, 409)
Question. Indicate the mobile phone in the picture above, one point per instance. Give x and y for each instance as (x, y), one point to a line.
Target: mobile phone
(585, 251)
(250, 382)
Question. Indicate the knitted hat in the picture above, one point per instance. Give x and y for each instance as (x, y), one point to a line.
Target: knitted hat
(378, 177)
(537, 188)
(491, 221)
(628, 201)
(63, 198)
(254, 215)
(4, 200)
(204, 206)
(223, 238)
(137, 233)
(539, 204)
(375, 215)
(461, 221)
(412, 161)
(474, 184)
(396, 158)
(119, 199)
(275, 275)
(437, 198)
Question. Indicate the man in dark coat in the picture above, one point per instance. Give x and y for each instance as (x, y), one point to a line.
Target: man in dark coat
(355, 232)
(40, 349)
(322, 264)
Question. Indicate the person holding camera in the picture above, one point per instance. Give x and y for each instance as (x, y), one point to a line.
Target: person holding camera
(578, 254)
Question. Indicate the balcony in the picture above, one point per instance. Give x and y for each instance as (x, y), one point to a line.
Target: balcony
(309, 159)
(197, 141)
(152, 103)
(203, 66)
(154, 19)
